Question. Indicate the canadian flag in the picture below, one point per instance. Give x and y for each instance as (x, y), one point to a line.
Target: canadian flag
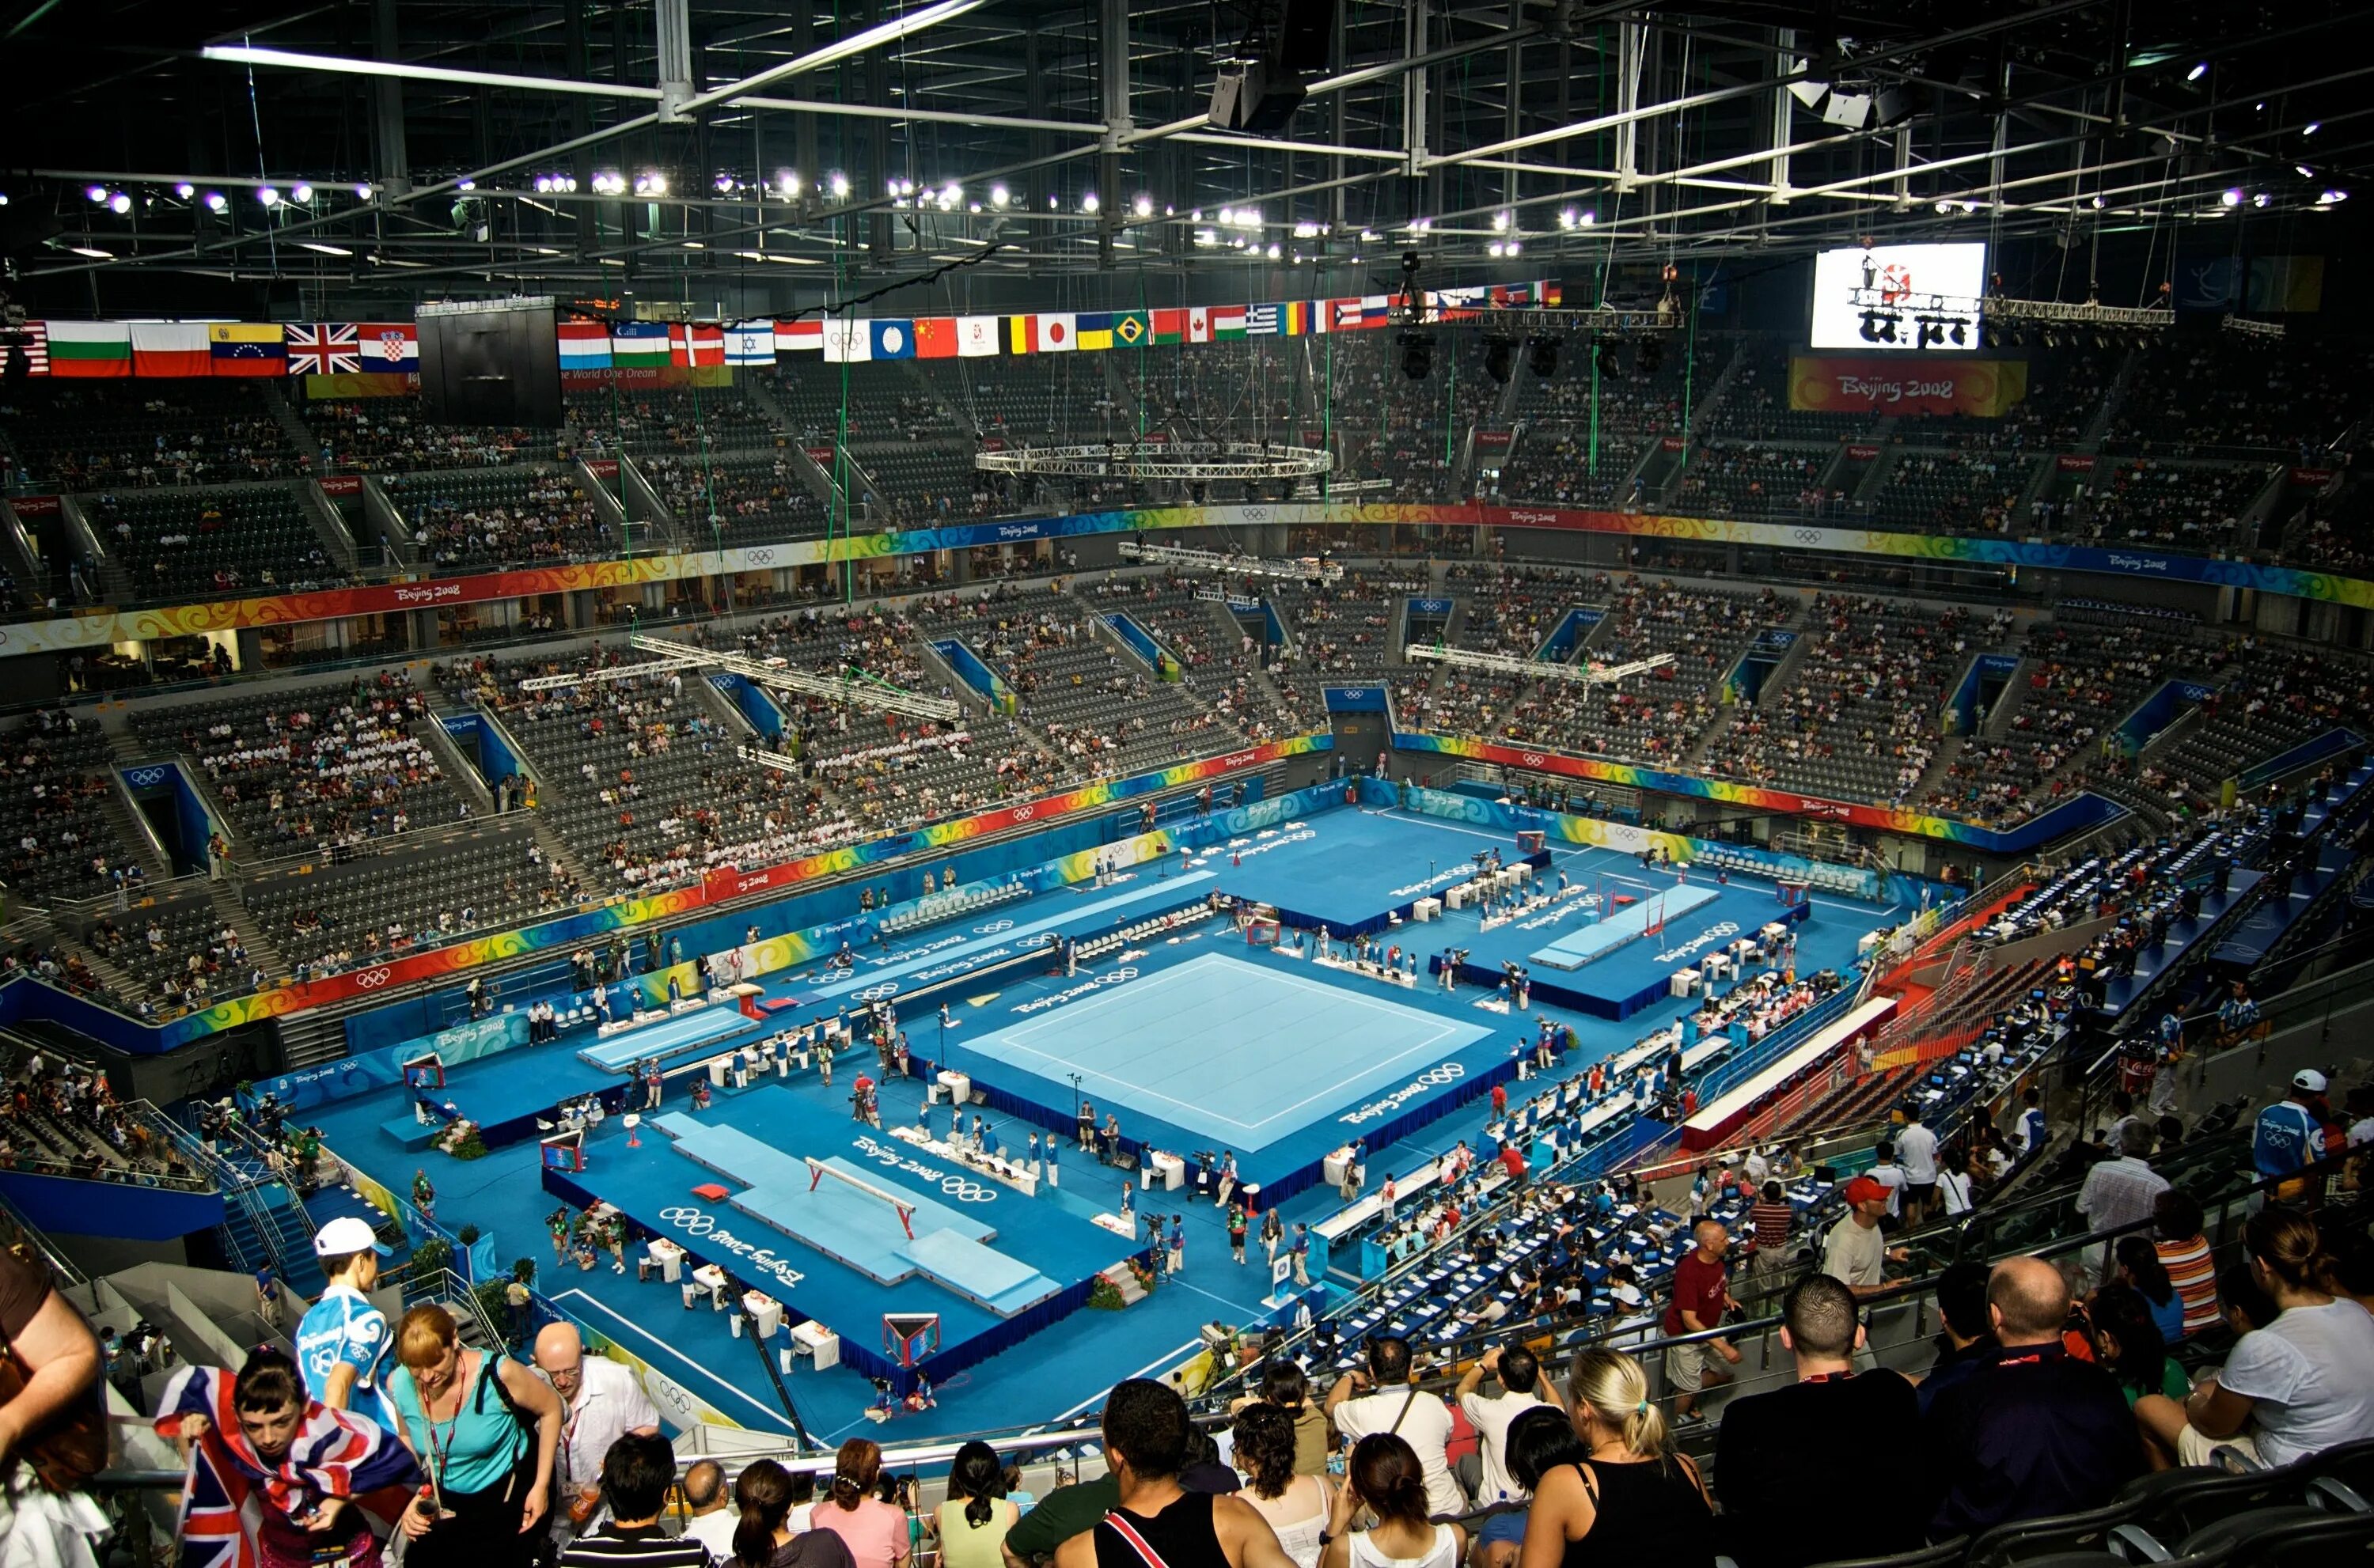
(1199, 325)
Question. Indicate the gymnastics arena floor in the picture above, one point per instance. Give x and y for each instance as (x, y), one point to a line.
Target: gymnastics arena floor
(1359, 862)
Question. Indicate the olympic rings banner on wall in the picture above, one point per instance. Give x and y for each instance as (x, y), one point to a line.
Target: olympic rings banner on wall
(69, 633)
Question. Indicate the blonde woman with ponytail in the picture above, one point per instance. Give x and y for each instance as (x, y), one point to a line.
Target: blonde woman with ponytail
(876, 1531)
(2296, 1387)
(1631, 1501)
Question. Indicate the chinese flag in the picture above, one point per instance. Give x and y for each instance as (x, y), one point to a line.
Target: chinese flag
(936, 337)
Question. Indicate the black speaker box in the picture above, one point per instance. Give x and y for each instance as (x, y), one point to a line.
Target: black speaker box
(1255, 96)
(497, 363)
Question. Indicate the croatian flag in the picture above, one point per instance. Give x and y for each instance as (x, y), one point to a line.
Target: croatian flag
(389, 346)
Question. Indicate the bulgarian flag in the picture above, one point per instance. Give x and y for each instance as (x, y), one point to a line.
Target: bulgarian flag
(90, 348)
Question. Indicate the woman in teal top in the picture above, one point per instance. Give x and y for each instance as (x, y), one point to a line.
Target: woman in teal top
(464, 1415)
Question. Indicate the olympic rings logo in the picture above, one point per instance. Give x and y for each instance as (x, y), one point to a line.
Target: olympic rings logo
(990, 928)
(1024, 814)
(1449, 1072)
(1534, 759)
(882, 992)
(965, 1192)
(689, 1219)
(372, 978)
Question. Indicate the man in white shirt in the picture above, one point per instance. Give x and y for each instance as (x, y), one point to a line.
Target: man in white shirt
(1889, 1175)
(712, 1521)
(1522, 1386)
(1853, 1253)
(1916, 1146)
(2120, 1192)
(1383, 1400)
(602, 1402)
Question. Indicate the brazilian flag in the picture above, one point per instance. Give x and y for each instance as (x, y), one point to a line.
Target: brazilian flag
(1132, 329)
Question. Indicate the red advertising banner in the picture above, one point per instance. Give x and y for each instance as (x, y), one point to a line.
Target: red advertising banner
(341, 484)
(1671, 443)
(1495, 437)
(2079, 465)
(821, 454)
(2310, 477)
(1983, 388)
(602, 467)
(1863, 454)
(34, 506)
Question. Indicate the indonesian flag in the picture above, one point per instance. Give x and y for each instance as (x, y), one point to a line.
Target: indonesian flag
(799, 337)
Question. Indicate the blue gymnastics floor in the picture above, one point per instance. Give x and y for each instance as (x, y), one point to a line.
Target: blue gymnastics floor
(1346, 868)
(1238, 1053)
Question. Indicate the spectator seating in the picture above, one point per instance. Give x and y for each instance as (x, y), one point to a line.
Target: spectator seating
(2146, 500)
(1956, 492)
(201, 543)
(500, 517)
(740, 498)
(1220, 664)
(1757, 481)
(687, 419)
(2214, 393)
(180, 953)
(1657, 717)
(53, 786)
(389, 435)
(420, 892)
(132, 435)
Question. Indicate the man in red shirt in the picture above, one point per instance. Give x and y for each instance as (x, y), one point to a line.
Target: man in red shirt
(1512, 1160)
(1499, 1101)
(1702, 1296)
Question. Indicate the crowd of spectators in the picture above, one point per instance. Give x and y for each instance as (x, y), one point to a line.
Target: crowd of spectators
(1757, 481)
(550, 518)
(70, 436)
(2147, 501)
(389, 435)
(59, 1118)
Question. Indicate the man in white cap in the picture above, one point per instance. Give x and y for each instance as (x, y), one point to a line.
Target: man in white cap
(342, 1339)
(2290, 1136)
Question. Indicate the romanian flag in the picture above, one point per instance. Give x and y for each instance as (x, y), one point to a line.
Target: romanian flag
(90, 348)
(248, 350)
(1293, 318)
(1169, 326)
(171, 348)
(936, 337)
(1132, 329)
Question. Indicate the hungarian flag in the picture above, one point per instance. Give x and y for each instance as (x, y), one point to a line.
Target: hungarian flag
(696, 344)
(799, 337)
(171, 348)
(1228, 322)
(389, 347)
(936, 337)
(584, 346)
(325, 348)
(639, 344)
(976, 337)
(1199, 325)
(246, 348)
(1169, 326)
(230, 1485)
(90, 348)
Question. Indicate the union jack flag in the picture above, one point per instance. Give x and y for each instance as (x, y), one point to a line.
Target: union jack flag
(325, 350)
(335, 1455)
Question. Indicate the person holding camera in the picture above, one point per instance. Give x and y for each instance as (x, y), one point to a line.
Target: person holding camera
(1384, 1399)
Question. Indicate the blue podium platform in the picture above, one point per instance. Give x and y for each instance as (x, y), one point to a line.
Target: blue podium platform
(703, 1029)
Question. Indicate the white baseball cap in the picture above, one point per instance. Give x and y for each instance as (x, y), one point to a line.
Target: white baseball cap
(2309, 1079)
(346, 1234)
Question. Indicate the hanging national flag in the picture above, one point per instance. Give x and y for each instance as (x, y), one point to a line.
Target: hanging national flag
(936, 337)
(893, 339)
(639, 344)
(171, 348)
(584, 346)
(750, 346)
(799, 337)
(1055, 335)
(1342, 315)
(1553, 293)
(1169, 326)
(1260, 321)
(391, 348)
(976, 337)
(33, 338)
(696, 343)
(1375, 310)
(90, 348)
(324, 349)
(1132, 329)
(1293, 318)
(846, 342)
(1199, 325)
(243, 349)
(1228, 321)
(1095, 331)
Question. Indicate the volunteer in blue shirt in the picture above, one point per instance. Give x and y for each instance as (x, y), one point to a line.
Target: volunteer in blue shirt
(2290, 1137)
(342, 1342)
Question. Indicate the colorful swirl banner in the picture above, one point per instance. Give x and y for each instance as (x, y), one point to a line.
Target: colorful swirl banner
(66, 634)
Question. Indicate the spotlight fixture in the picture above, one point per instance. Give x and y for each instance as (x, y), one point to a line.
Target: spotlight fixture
(363, 190)
(1500, 223)
(119, 203)
(1604, 361)
(1542, 356)
(2311, 128)
(185, 190)
(301, 195)
(1651, 355)
(465, 185)
(1143, 206)
(2232, 198)
(268, 197)
(217, 201)
(787, 180)
(98, 194)
(840, 184)
(1088, 203)
(1417, 355)
(1499, 358)
(2197, 72)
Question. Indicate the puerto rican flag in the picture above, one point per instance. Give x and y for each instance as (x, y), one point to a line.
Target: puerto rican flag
(327, 349)
(335, 1455)
(389, 346)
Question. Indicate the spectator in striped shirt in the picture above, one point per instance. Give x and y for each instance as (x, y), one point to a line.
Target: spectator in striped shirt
(1771, 1218)
(636, 1474)
(2184, 1253)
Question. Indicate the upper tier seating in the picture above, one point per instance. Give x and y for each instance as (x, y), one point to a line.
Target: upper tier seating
(388, 435)
(127, 434)
(209, 543)
(514, 517)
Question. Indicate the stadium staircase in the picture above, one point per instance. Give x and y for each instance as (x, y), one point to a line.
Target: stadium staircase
(460, 765)
(114, 578)
(308, 1039)
(2013, 698)
(301, 440)
(817, 478)
(264, 1220)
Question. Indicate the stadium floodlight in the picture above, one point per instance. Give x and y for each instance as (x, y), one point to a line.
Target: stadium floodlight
(185, 190)
(1510, 665)
(853, 687)
(1301, 568)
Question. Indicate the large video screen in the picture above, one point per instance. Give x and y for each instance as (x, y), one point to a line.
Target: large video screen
(1896, 281)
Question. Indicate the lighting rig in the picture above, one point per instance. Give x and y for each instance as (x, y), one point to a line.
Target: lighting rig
(1510, 664)
(777, 674)
(1305, 568)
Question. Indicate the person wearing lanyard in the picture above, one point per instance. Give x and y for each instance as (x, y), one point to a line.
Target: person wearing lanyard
(461, 1413)
(602, 1402)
